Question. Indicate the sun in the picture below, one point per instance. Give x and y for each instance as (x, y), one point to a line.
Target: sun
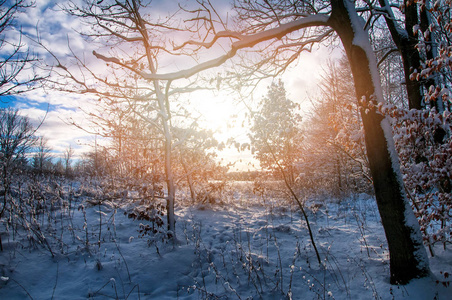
(217, 112)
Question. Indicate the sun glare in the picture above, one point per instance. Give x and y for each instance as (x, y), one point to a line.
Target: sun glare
(227, 119)
(217, 113)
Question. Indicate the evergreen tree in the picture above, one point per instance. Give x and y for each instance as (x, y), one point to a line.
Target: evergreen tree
(276, 135)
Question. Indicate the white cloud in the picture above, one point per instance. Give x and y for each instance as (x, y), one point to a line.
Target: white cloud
(55, 127)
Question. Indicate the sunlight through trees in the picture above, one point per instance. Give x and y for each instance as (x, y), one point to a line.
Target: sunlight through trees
(363, 154)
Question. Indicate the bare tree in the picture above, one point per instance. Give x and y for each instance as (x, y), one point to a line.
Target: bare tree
(18, 73)
(405, 40)
(68, 154)
(16, 140)
(130, 45)
(42, 159)
(335, 158)
(195, 163)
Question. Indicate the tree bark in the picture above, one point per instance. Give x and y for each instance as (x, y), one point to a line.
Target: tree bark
(430, 52)
(405, 42)
(408, 258)
(189, 180)
(164, 114)
(171, 188)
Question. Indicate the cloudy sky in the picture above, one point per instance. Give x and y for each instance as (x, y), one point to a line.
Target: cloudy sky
(58, 31)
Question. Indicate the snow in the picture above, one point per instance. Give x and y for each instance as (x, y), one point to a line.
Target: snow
(240, 249)
(410, 218)
(361, 39)
(242, 42)
(400, 31)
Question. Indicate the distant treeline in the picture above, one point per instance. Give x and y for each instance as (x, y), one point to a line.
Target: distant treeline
(243, 176)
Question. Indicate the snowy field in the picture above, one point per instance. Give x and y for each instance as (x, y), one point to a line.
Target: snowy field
(243, 247)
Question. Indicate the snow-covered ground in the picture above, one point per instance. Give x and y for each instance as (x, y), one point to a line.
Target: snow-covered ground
(239, 249)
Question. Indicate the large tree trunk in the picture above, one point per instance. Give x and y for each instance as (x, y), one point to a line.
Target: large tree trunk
(431, 52)
(405, 40)
(408, 258)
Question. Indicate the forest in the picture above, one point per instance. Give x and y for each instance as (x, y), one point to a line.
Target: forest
(219, 149)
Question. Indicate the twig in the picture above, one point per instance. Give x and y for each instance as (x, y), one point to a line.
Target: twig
(138, 291)
(125, 262)
(22, 287)
(56, 280)
(298, 202)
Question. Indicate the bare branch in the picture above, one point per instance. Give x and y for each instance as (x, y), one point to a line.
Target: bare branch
(243, 42)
